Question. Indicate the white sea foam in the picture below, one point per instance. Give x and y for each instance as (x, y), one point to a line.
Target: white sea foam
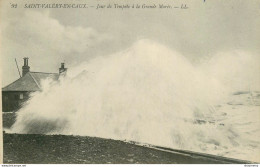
(149, 93)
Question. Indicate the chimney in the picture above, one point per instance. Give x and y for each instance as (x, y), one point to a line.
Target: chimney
(25, 67)
(62, 69)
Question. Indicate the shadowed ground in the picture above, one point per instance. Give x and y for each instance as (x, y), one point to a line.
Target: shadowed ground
(33, 149)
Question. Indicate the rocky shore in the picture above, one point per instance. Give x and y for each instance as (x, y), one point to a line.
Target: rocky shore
(61, 149)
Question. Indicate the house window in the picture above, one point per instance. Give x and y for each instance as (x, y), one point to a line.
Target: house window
(16, 97)
(21, 96)
(6, 97)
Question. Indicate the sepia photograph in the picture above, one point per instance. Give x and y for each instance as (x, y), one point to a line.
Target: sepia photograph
(130, 81)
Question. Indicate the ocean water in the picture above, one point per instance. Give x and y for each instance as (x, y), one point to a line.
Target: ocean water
(239, 118)
(152, 94)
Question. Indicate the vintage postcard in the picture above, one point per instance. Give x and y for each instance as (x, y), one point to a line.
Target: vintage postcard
(130, 81)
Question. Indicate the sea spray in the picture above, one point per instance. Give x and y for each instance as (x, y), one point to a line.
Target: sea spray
(147, 93)
(236, 70)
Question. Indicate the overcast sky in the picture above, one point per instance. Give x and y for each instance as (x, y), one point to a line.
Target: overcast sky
(49, 36)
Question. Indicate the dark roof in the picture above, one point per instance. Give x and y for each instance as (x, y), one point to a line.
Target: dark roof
(30, 82)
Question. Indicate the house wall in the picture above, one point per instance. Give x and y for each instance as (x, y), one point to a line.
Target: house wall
(13, 100)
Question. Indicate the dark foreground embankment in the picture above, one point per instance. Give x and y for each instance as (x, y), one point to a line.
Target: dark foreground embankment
(33, 149)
